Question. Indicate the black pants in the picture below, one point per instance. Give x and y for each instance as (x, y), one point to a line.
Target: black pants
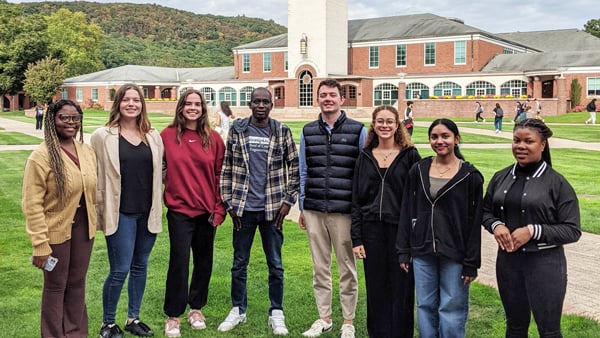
(38, 122)
(199, 235)
(535, 283)
(390, 290)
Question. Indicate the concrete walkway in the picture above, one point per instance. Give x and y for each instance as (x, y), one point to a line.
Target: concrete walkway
(583, 257)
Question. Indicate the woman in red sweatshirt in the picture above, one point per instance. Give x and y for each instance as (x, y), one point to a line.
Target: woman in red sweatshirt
(191, 169)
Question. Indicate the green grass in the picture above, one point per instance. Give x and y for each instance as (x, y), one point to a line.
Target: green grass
(19, 310)
(13, 138)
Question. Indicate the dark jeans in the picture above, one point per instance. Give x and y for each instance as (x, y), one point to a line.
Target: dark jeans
(38, 122)
(272, 240)
(128, 252)
(199, 235)
(532, 283)
(390, 290)
(64, 313)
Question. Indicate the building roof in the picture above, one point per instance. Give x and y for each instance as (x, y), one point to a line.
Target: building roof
(555, 40)
(412, 26)
(407, 27)
(546, 61)
(143, 74)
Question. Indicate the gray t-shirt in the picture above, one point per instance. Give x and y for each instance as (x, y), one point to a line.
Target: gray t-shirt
(258, 142)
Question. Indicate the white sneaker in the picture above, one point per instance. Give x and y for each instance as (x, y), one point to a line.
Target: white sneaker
(277, 323)
(347, 331)
(318, 327)
(233, 319)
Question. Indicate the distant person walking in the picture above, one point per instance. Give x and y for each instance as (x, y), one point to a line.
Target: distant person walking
(223, 120)
(591, 108)
(39, 117)
(499, 114)
(518, 112)
(478, 112)
(408, 117)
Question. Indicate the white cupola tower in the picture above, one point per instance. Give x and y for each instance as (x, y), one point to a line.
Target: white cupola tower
(318, 36)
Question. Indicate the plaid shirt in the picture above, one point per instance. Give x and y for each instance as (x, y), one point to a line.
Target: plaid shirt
(283, 177)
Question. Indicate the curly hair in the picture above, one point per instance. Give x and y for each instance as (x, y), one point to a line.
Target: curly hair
(401, 136)
(53, 144)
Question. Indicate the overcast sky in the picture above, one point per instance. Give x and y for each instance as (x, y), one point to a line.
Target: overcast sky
(494, 16)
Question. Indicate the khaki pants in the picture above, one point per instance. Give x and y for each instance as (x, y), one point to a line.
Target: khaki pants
(324, 232)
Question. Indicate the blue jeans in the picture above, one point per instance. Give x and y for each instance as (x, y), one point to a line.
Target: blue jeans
(272, 240)
(128, 252)
(442, 298)
(498, 123)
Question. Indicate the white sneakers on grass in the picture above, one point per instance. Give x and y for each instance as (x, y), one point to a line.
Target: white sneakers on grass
(233, 319)
(277, 323)
(318, 328)
(347, 330)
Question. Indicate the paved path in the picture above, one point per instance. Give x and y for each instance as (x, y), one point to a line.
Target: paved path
(583, 257)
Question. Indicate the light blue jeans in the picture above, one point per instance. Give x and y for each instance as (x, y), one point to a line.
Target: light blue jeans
(128, 252)
(442, 298)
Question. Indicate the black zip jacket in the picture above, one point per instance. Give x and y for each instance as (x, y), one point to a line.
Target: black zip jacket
(449, 225)
(377, 196)
(548, 202)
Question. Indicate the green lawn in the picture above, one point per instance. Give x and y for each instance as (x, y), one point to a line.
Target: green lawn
(14, 138)
(19, 309)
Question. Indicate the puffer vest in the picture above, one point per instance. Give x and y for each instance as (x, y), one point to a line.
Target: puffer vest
(330, 160)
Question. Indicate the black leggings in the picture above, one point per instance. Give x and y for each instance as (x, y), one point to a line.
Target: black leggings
(535, 283)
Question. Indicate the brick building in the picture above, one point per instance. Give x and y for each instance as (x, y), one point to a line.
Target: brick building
(441, 63)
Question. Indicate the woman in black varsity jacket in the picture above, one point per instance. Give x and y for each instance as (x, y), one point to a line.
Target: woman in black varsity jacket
(532, 211)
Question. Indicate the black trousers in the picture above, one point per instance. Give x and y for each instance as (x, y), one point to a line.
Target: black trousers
(390, 290)
(535, 283)
(199, 235)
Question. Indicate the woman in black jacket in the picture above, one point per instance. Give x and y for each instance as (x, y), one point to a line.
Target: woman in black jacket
(532, 211)
(440, 228)
(379, 178)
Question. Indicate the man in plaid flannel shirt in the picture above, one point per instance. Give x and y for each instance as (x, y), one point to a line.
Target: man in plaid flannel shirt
(259, 184)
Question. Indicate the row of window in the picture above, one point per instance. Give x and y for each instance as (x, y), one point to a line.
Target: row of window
(385, 93)
(267, 62)
(460, 54)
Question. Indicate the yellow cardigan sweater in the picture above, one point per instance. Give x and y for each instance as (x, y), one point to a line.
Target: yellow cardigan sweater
(47, 221)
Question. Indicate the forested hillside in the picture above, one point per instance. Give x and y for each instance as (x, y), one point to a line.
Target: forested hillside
(154, 35)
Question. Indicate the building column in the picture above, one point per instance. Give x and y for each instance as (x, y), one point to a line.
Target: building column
(157, 92)
(401, 94)
(537, 87)
(562, 91)
(174, 93)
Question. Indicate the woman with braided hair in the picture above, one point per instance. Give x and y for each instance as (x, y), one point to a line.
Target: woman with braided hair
(532, 211)
(59, 198)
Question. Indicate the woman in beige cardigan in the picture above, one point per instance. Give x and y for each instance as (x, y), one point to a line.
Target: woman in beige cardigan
(59, 197)
(130, 155)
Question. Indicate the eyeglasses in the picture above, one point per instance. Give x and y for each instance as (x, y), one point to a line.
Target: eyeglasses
(70, 118)
(259, 101)
(384, 122)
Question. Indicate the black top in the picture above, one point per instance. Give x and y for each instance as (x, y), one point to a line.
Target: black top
(136, 177)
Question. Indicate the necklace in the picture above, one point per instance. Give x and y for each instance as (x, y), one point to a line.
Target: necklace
(386, 156)
(442, 172)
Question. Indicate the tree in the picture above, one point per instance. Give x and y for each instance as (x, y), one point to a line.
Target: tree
(44, 79)
(75, 41)
(575, 93)
(593, 27)
(23, 41)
